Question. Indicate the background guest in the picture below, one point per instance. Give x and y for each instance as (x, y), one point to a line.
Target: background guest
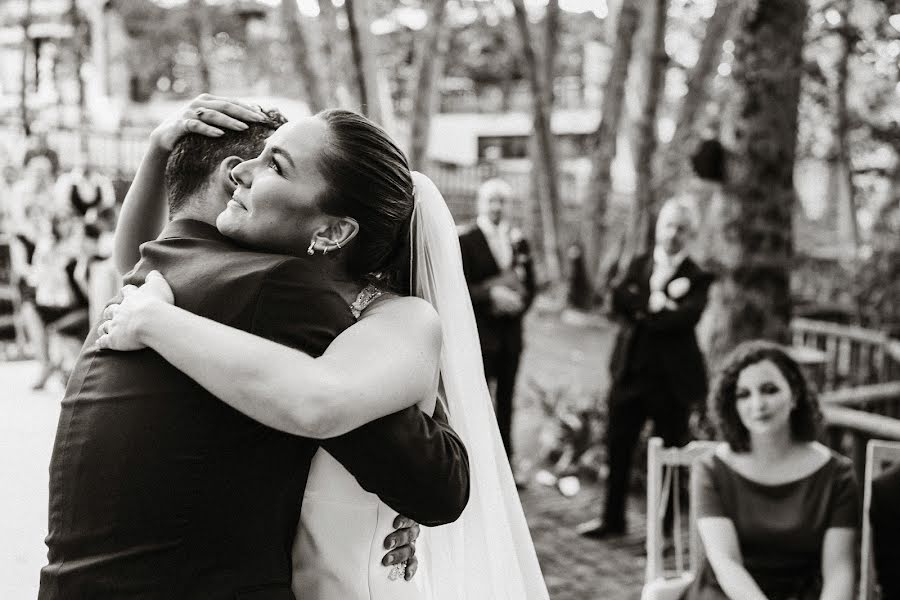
(498, 267)
(884, 514)
(656, 368)
(777, 510)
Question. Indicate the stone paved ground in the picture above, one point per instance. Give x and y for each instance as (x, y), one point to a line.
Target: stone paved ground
(575, 569)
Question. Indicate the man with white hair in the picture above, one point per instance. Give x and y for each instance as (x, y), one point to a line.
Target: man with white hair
(657, 371)
(497, 263)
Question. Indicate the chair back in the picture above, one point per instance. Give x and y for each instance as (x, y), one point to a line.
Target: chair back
(664, 470)
(879, 456)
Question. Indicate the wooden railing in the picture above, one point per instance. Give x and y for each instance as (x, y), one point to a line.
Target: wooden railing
(859, 384)
(854, 356)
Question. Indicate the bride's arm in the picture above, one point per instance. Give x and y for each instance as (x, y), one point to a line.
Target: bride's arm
(144, 212)
(386, 362)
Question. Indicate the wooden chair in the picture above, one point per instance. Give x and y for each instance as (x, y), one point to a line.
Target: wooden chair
(879, 456)
(664, 471)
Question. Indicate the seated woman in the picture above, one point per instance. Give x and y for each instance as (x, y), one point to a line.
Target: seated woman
(777, 510)
(53, 287)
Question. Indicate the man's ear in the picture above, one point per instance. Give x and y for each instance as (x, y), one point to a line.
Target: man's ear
(337, 234)
(224, 174)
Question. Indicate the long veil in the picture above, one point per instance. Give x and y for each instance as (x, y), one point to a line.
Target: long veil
(488, 551)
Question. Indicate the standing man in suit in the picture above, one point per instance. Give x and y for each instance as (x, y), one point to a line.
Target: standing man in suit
(498, 267)
(657, 370)
(884, 514)
(158, 490)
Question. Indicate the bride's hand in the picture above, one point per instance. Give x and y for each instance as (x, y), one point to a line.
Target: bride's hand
(122, 321)
(207, 115)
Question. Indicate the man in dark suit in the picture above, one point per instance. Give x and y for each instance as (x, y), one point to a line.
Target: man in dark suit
(158, 490)
(884, 514)
(499, 272)
(657, 370)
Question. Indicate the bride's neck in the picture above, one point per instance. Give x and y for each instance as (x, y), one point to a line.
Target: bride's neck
(349, 290)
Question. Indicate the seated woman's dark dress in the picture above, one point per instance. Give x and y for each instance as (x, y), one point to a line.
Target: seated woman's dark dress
(780, 528)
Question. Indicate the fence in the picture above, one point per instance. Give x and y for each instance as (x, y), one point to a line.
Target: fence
(860, 384)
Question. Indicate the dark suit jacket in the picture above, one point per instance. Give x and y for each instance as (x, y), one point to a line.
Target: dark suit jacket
(661, 344)
(884, 514)
(160, 490)
(481, 270)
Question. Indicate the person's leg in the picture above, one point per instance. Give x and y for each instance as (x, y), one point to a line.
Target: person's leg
(36, 331)
(506, 384)
(671, 417)
(626, 418)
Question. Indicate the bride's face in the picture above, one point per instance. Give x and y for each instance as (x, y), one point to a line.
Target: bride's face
(274, 206)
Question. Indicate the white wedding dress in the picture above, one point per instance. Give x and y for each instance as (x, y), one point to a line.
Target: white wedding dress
(487, 554)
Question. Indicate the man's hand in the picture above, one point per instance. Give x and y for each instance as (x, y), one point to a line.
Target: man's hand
(402, 546)
(506, 301)
(207, 115)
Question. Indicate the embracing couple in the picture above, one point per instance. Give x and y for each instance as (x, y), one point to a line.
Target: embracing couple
(299, 336)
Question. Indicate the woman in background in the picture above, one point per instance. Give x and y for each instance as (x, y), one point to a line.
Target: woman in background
(777, 510)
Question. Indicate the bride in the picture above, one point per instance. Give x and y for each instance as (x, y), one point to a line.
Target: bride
(336, 165)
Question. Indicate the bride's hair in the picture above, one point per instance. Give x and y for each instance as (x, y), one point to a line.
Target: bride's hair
(368, 179)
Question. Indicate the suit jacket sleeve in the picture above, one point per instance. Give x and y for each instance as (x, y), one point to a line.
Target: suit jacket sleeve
(480, 291)
(628, 299)
(530, 283)
(688, 311)
(415, 463)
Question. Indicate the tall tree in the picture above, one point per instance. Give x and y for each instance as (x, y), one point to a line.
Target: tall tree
(551, 48)
(78, 43)
(423, 94)
(604, 139)
(674, 158)
(641, 231)
(23, 88)
(843, 169)
(202, 33)
(752, 298)
(547, 166)
(305, 55)
(361, 49)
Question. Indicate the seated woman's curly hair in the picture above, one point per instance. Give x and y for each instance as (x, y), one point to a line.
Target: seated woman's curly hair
(806, 417)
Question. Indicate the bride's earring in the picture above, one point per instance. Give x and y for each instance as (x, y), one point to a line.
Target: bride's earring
(310, 250)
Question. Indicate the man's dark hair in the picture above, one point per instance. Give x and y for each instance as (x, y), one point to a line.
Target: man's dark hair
(195, 157)
(806, 417)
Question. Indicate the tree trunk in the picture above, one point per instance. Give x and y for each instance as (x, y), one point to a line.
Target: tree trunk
(361, 47)
(641, 230)
(23, 91)
(78, 39)
(547, 166)
(423, 94)
(675, 158)
(200, 29)
(842, 127)
(551, 48)
(306, 59)
(605, 142)
(752, 299)
(332, 52)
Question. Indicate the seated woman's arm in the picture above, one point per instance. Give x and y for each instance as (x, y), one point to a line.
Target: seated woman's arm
(838, 571)
(386, 362)
(720, 542)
